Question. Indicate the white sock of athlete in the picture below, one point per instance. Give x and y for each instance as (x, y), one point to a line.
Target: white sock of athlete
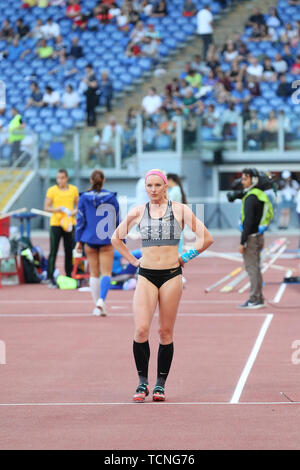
(95, 288)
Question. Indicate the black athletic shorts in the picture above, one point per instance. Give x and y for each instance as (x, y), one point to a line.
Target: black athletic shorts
(159, 276)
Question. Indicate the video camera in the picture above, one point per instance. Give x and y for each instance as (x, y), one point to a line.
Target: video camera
(260, 179)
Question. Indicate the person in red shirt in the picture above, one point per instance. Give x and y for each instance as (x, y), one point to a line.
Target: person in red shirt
(74, 13)
(295, 70)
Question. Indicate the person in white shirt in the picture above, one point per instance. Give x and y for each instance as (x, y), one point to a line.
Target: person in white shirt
(50, 30)
(205, 27)
(109, 134)
(288, 188)
(152, 102)
(279, 64)
(70, 98)
(255, 69)
(51, 98)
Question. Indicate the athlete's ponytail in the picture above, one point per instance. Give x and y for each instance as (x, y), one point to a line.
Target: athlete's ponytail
(97, 180)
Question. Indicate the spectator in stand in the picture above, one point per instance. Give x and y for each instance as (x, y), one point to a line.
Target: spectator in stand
(228, 121)
(90, 85)
(64, 70)
(106, 90)
(133, 15)
(224, 80)
(194, 79)
(279, 64)
(150, 48)
(270, 129)
(212, 59)
(101, 12)
(114, 11)
(137, 35)
(199, 65)
(36, 97)
(7, 32)
(259, 33)
(230, 52)
(76, 51)
(257, 17)
(151, 103)
(123, 20)
(295, 69)
(160, 10)
(288, 57)
(255, 68)
(189, 8)
(152, 32)
(288, 188)
(289, 34)
(29, 3)
(23, 30)
(253, 86)
(253, 128)
(16, 51)
(189, 102)
(44, 51)
(60, 48)
(50, 30)
(273, 20)
(15, 134)
(169, 103)
(70, 98)
(51, 98)
(74, 13)
(284, 89)
(240, 95)
(37, 31)
(211, 116)
(269, 72)
(237, 71)
(205, 27)
(146, 8)
(110, 133)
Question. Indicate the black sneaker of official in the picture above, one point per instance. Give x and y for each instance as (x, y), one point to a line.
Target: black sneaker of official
(252, 305)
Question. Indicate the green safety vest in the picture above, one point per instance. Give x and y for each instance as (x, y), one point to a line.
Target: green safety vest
(268, 212)
(15, 134)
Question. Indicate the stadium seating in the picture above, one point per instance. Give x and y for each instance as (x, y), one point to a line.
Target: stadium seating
(103, 46)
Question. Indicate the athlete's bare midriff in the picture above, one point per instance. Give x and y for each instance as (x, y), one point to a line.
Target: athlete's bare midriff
(159, 257)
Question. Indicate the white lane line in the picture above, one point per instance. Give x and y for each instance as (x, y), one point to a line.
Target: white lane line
(36, 302)
(247, 369)
(199, 403)
(127, 314)
(282, 288)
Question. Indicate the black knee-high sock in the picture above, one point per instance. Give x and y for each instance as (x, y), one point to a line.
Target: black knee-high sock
(164, 361)
(141, 352)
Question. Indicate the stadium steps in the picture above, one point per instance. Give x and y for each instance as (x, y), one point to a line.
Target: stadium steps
(229, 26)
(10, 183)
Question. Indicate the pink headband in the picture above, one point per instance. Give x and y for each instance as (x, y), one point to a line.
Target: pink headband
(158, 173)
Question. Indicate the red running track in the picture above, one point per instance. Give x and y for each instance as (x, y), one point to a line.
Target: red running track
(69, 377)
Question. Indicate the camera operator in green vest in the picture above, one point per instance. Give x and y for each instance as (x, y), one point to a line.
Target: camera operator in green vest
(256, 216)
(16, 134)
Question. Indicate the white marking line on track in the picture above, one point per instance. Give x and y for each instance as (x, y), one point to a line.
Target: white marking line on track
(199, 403)
(33, 302)
(282, 288)
(247, 369)
(129, 314)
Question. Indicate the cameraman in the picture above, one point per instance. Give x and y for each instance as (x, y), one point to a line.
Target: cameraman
(256, 214)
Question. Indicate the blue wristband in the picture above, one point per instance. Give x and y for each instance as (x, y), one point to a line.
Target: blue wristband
(188, 255)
